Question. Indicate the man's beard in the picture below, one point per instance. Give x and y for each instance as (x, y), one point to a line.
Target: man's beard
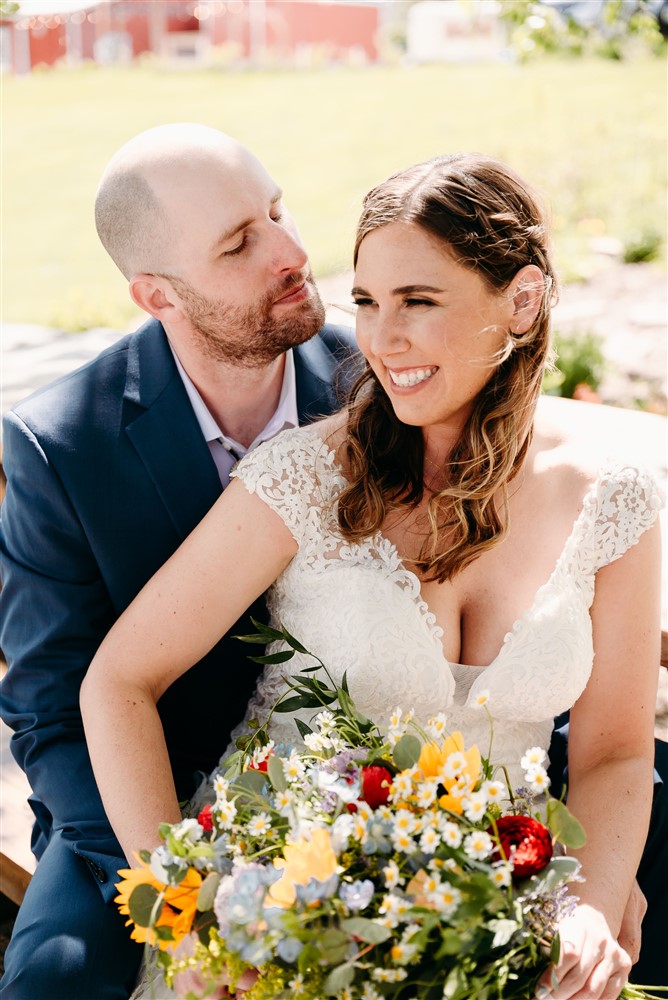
(251, 337)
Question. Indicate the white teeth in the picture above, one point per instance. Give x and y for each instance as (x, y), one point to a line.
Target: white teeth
(412, 377)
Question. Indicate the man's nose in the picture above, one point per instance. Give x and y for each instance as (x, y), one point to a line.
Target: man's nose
(288, 253)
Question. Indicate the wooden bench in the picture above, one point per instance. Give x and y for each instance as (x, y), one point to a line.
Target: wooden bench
(637, 437)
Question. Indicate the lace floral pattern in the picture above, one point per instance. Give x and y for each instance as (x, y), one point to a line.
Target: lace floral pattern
(360, 610)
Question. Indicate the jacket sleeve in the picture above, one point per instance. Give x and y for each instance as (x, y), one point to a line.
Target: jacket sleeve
(54, 610)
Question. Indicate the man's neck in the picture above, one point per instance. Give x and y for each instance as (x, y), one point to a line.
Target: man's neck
(241, 400)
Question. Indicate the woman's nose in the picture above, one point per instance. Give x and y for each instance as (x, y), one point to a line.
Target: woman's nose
(386, 336)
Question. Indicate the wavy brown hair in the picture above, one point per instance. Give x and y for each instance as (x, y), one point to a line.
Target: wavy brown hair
(487, 218)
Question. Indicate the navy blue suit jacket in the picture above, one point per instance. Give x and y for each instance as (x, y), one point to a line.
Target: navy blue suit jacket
(107, 473)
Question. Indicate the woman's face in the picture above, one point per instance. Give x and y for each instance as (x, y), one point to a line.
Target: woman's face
(429, 327)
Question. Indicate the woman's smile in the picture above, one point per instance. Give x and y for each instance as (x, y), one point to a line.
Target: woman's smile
(408, 378)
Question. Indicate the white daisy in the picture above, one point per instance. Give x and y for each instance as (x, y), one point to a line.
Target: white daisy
(478, 845)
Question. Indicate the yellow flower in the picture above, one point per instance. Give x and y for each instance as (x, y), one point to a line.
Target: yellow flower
(304, 860)
(432, 761)
(178, 909)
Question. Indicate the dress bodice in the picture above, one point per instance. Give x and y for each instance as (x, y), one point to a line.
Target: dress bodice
(357, 607)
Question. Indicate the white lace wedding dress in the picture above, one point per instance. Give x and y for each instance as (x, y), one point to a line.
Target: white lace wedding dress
(358, 608)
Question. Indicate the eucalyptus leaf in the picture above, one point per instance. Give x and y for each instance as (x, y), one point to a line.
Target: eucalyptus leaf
(141, 903)
(276, 773)
(207, 892)
(164, 933)
(366, 930)
(406, 752)
(558, 871)
(563, 825)
(333, 945)
(248, 786)
(338, 980)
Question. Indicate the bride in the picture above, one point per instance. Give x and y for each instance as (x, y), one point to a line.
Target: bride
(434, 538)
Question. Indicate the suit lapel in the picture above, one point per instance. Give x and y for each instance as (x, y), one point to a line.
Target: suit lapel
(165, 433)
(315, 368)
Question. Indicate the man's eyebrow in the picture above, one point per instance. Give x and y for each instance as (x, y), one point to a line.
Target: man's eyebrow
(237, 227)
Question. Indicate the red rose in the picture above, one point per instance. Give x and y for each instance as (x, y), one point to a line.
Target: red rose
(527, 841)
(205, 819)
(263, 765)
(376, 783)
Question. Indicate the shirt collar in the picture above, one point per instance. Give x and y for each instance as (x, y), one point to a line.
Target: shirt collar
(284, 416)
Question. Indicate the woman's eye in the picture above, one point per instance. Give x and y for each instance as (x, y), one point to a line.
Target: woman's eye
(360, 301)
(419, 302)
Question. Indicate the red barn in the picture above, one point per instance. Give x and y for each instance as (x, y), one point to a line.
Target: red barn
(285, 32)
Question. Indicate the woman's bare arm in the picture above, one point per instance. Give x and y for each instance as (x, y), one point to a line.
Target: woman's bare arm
(611, 752)
(229, 560)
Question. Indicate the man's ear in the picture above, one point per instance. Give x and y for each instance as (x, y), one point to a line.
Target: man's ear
(526, 289)
(155, 295)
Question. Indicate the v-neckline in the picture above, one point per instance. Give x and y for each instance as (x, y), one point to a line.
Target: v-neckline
(428, 617)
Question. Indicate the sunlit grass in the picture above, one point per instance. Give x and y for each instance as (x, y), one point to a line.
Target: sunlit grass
(590, 135)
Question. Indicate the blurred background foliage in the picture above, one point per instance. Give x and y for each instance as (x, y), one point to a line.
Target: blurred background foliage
(587, 132)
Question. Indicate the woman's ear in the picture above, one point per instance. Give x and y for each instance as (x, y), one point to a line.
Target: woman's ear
(155, 295)
(526, 290)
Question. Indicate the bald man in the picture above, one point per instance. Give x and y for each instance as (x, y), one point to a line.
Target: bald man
(108, 470)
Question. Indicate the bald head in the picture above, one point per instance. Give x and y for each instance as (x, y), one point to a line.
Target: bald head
(143, 196)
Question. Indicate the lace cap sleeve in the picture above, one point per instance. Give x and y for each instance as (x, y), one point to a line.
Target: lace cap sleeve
(294, 474)
(625, 503)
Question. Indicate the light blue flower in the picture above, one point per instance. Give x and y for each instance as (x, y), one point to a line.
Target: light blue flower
(289, 949)
(315, 890)
(357, 895)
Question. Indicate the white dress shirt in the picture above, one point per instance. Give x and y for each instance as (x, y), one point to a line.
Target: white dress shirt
(225, 451)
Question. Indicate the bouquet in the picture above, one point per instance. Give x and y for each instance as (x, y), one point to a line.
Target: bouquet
(358, 865)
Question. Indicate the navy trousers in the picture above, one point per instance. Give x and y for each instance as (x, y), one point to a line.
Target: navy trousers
(64, 924)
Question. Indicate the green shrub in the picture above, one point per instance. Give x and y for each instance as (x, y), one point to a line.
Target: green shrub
(579, 360)
(642, 247)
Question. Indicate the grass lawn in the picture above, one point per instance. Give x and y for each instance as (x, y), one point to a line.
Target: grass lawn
(590, 135)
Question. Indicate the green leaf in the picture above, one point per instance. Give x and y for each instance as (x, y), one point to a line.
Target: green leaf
(202, 923)
(295, 703)
(141, 903)
(366, 930)
(296, 645)
(281, 657)
(333, 945)
(456, 984)
(563, 825)
(338, 980)
(248, 786)
(451, 943)
(406, 752)
(302, 727)
(164, 933)
(207, 892)
(276, 773)
(145, 856)
(558, 871)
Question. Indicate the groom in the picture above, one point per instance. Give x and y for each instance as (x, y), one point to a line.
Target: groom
(108, 470)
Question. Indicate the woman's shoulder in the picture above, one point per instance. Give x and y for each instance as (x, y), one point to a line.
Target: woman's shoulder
(576, 473)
